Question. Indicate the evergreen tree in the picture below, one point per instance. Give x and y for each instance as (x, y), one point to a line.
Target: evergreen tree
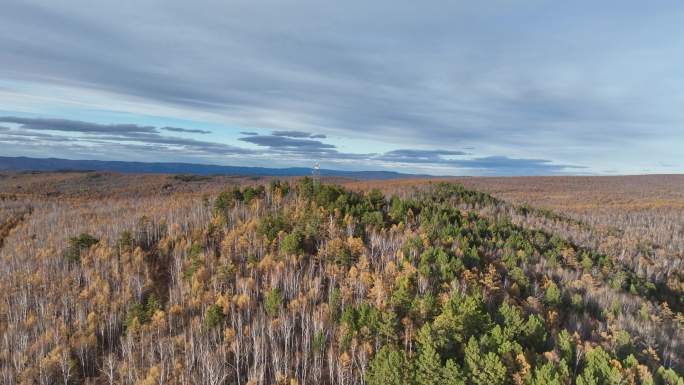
(545, 375)
(213, 317)
(598, 370)
(566, 347)
(483, 369)
(534, 333)
(273, 302)
(552, 295)
(428, 368)
(461, 318)
(669, 377)
(388, 367)
(512, 321)
(452, 374)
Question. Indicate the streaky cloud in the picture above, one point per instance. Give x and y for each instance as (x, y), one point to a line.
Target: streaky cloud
(186, 130)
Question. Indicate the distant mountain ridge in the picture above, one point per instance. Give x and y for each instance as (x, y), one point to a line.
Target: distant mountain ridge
(57, 164)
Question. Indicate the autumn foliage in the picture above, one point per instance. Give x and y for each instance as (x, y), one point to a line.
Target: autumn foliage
(295, 282)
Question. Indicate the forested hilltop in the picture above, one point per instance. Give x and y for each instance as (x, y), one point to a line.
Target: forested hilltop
(305, 283)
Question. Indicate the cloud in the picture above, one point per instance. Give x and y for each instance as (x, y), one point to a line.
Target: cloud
(502, 165)
(420, 156)
(76, 126)
(534, 79)
(189, 144)
(489, 165)
(187, 130)
(335, 68)
(82, 137)
(290, 143)
(298, 134)
(109, 134)
(9, 134)
(291, 134)
(88, 127)
(250, 133)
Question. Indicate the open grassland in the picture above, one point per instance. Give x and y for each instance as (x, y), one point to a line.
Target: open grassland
(132, 279)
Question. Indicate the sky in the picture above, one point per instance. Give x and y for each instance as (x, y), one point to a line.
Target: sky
(439, 87)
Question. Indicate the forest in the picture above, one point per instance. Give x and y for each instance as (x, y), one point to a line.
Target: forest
(295, 282)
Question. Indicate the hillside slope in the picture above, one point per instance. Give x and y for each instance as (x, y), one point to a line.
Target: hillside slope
(299, 283)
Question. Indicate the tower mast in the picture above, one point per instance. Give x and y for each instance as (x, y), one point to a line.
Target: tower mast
(316, 174)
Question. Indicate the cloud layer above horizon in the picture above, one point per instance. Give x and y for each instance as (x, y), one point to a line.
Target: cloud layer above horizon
(95, 137)
(502, 88)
